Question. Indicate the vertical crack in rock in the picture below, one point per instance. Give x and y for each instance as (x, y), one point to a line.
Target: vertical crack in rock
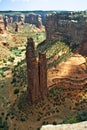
(36, 73)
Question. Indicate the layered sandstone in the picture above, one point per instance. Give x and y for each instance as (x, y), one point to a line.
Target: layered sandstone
(31, 18)
(34, 19)
(36, 73)
(61, 27)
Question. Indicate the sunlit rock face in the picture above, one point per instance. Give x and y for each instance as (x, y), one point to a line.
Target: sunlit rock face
(36, 73)
(77, 126)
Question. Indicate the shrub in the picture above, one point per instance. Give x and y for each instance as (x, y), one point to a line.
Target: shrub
(54, 123)
(57, 110)
(4, 60)
(82, 116)
(16, 91)
(15, 51)
(11, 59)
(1, 125)
(70, 120)
(39, 118)
(38, 128)
(23, 118)
(3, 69)
(45, 123)
(5, 125)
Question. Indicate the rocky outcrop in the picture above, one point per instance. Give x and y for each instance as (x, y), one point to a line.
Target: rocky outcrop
(6, 21)
(60, 26)
(77, 126)
(39, 22)
(83, 45)
(83, 48)
(36, 73)
(31, 18)
(16, 27)
(42, 74)
(34, 19)
(14, 18)
(1, 25)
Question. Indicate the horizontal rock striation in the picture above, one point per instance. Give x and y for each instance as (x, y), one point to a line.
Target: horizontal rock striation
(61, 26)
(31, 18)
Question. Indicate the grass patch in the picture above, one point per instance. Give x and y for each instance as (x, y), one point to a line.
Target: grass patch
(3, 69)
(56, 52)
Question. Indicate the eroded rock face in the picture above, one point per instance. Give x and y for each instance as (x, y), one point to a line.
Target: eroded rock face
(61, 27)
(39, 22)
(36, 73)
(32, 70)
(82, 49)
(42, 74)
(31, 18)
(1, 25)
(16, 27)
(77, 126)
(6, 21)
(34, 19)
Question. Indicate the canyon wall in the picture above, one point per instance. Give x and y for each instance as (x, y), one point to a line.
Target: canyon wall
(61, 26)
(34, 19)
(31, 18)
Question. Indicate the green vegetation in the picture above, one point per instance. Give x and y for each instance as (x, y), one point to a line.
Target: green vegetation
(38, 128)
(19, 74)
(16, 91)
(55, 91)
(16, 51)
(16, 104)
(56, 50)
(70, 120)
(3, 69)
(82, 116)
(23, 118)
(3, 124)
(54, 123)
(11, 59)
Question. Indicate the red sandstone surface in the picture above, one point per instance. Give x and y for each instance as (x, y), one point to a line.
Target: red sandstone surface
(73, 70)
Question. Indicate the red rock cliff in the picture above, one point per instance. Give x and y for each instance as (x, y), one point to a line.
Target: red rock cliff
(36, 73)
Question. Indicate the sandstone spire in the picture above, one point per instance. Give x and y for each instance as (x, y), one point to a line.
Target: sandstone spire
(43, 74)
(36, 73)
